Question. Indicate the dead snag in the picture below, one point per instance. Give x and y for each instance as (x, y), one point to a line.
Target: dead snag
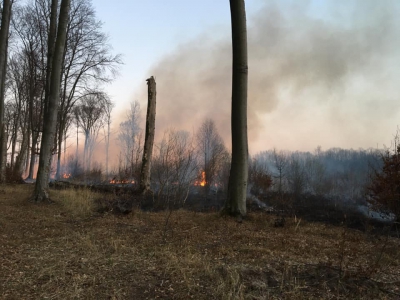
(149, 136)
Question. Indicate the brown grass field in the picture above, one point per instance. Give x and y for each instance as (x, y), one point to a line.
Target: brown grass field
(66, 250)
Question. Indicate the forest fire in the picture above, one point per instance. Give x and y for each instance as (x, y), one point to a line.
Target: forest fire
(202, 181)
(115, 181)
(66, 175)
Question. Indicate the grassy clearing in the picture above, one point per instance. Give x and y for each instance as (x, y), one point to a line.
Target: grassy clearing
(67, 251)
(79, 203)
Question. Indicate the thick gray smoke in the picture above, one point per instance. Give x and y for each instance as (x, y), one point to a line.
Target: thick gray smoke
(315, 78)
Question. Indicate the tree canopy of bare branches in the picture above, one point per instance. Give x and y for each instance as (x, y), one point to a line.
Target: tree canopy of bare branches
(129, 138)
(87, 64)
(211, 150)
(91, 115)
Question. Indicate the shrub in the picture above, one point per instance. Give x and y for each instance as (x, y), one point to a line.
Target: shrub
(384, 190)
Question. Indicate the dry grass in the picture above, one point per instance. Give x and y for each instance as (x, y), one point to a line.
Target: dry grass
(66, 251)
(79, 203)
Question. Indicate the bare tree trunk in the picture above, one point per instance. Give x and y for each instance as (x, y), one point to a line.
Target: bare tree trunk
(51, 42)
(62, 136)
(85, 153)
(23, 153)
(65, 153)
(5, 25)
(59, 146)
(50, 114)
(33, 155)
(149, 135)
(107, 145)
(26, 155)
(77, 143)
(32, 163)
(237, 187)
(13, 145)
(3, 133)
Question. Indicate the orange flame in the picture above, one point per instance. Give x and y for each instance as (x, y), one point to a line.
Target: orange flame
(202, 181)
(66, 175)
(114, 181)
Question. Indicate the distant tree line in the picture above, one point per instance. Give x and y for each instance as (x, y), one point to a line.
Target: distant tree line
(335, 172)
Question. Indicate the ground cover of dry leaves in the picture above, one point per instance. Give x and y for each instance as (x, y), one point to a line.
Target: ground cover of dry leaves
(66, 250)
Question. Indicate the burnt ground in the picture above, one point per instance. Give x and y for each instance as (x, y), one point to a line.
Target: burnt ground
(123, 198)
(68, 250)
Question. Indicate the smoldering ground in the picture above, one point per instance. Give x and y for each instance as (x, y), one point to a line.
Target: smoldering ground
(320, 73)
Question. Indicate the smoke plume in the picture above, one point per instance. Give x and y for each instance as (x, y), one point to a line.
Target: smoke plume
(316, 77)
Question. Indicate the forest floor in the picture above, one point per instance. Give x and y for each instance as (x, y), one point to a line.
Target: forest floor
(67, 250)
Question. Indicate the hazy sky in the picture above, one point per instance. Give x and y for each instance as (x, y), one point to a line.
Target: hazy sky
(320, 72)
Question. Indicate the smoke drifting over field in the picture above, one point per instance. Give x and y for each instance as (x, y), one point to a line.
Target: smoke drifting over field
(327, 79)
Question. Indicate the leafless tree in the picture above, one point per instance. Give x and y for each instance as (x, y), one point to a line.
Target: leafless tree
(4, 33)
(296, 175)
(87, 62)
(107, 131)
(18, 112)
(260, 179)
(280, 162)
(90, 115)
(174, 166)
(52, 101)
(129, 138)
(162, 165)
(32, 50)
(149, 135)
(211, 150)
(315, 175)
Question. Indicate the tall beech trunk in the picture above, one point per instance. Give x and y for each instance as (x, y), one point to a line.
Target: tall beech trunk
(59, 145)
(237, 188)
(51, 43)
(59, 141)
(23, 152)
(149, 136)
(32, 163)
(51, 106)
(3, 133)
(13, 145)
(5, 26)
